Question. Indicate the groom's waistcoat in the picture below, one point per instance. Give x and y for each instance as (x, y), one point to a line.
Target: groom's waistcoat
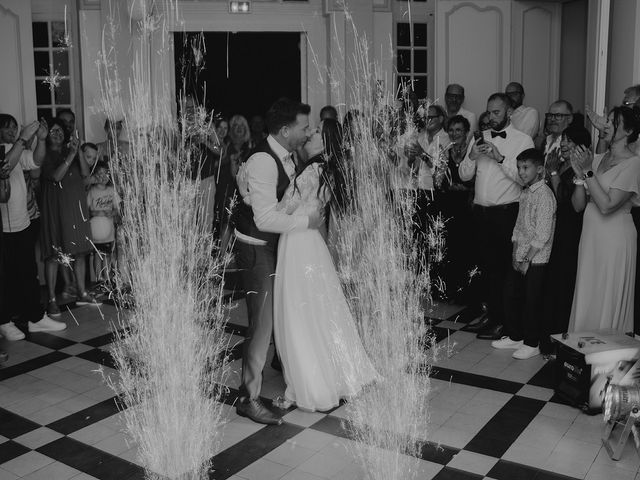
(243, 213)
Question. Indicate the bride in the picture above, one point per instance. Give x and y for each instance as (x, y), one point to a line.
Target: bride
(322, 356)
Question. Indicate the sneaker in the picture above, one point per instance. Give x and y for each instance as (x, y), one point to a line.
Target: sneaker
(46, 324)
(52, 309)
(11, 332)
(69, 293)
(506, 342)
(525, 352)
(88, 299)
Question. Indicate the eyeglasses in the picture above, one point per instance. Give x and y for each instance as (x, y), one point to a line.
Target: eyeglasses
(557, 116)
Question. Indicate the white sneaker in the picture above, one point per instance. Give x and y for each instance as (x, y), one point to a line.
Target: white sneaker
(11, 332)
(525, 352)
(46, 324)
(506, 342)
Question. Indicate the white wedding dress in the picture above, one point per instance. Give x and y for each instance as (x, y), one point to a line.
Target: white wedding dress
(321, 353)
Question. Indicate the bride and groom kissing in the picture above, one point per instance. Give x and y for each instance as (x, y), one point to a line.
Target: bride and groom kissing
(292, 288)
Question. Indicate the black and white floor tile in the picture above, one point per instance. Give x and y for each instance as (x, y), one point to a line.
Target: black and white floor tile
(491, 417)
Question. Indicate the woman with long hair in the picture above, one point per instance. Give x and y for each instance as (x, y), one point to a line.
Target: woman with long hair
(332, 179)
(606, 187)
(65, 233)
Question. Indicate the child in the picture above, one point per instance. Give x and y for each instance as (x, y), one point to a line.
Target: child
(532, 239)
(103, 207)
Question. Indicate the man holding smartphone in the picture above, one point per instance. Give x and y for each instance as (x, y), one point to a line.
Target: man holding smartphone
(492, 159)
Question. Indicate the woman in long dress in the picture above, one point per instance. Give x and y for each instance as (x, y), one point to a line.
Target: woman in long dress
(321, 352)
(606, 187)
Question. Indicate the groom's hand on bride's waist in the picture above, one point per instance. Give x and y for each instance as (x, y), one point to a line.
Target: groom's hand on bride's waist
(316, 219)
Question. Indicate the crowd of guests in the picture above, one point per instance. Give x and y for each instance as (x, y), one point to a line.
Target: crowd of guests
(60, 208)
(540, 236)
(549, 223)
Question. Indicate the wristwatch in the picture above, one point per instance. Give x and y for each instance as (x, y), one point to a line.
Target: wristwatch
(588, 174)
(525, 260)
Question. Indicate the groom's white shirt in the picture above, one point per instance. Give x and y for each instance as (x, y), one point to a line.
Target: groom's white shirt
(260, 174)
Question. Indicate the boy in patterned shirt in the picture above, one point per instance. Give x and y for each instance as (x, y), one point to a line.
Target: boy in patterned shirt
(532, 239)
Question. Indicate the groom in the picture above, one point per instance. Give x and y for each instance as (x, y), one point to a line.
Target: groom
(265, 178)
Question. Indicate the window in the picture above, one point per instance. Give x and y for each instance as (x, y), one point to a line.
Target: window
(411, 57)
(53, 69)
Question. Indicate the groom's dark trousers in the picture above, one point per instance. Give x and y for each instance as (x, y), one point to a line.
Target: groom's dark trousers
(258, 265)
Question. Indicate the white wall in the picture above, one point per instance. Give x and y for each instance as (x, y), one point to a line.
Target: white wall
(90, 30)
(473, 48)
(573, 53)
(624, 49)
(18, 92)
(536, 51)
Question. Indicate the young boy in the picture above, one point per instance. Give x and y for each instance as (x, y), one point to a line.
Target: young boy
(532, 239)
(103, 204)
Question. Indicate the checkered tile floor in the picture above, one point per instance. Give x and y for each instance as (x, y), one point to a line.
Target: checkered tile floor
(492, 417)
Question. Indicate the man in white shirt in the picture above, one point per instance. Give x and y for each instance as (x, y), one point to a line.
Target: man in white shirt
(262, 182)
(525, 119)
(454, 98)
(422, 152)
(497, 189)
(20, 286)
(559, 117)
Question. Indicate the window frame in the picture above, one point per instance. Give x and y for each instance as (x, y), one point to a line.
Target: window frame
(419, 12)
(74, 76)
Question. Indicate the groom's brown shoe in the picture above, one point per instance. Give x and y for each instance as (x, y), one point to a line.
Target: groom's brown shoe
(256, 411)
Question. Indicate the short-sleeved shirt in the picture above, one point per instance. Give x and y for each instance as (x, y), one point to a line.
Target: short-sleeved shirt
(15, 214)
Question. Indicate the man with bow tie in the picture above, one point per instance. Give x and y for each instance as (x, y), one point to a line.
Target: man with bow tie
(497, 190)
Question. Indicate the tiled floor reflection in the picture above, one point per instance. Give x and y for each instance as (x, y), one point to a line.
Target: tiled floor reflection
(491, 417)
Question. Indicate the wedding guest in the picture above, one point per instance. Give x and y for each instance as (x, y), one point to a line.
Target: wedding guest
(563, 264)
(65, 235)
(257, 129)
(454, 99)
(455, 200)
(606, 187)
(525, 119)
(113, 148)
(236, 152)
(423, 153)
(532, 240)
(103, 202)
(559, 117)
(497, 190)
(21, 289)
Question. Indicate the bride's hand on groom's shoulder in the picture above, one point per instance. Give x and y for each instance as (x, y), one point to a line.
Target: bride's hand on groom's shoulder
(316, 219)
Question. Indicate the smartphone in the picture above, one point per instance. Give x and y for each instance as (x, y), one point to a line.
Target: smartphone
(478, 137)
